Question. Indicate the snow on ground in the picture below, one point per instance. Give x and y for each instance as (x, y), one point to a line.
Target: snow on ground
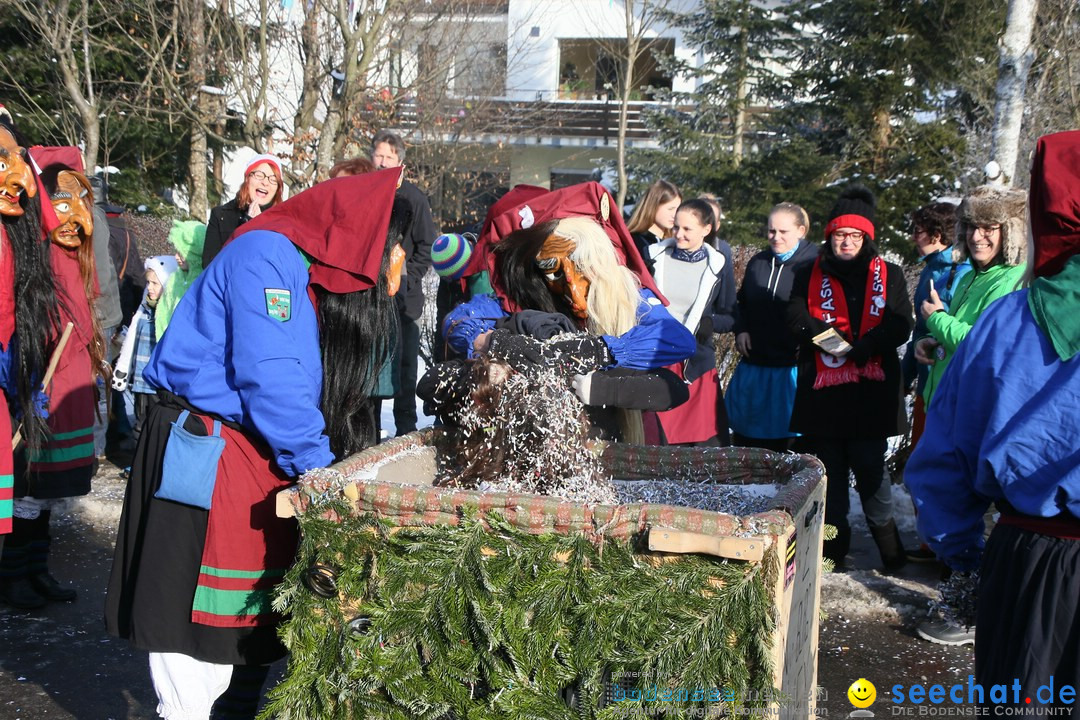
(864, 591)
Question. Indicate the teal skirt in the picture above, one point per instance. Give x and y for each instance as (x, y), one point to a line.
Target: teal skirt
(759, 400)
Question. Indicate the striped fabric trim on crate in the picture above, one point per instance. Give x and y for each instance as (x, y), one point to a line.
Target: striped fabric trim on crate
(414, 505)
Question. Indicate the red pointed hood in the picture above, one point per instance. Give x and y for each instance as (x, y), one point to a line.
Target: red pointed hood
(66, 155)
(1054, 206)
(489, 234)
(527, 205)
(341, 224)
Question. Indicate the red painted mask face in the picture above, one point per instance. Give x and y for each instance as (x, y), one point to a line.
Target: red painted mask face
(562, 276)
(16, 176)
(72, 202)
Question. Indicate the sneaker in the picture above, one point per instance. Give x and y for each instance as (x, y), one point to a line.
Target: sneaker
(921, 555)
(944, 632)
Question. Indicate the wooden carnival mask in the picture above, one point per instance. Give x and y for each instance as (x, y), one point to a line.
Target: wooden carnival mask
(16, 177)
(393, 272)
(72, 201)
(562, 276)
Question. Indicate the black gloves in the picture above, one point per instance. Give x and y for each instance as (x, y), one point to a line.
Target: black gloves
(704, 331)
(860, 353)
(520, 352)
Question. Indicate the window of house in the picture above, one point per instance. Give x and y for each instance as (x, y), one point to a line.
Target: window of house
(481, 69)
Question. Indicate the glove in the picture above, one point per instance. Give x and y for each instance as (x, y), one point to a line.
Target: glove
(860, 353)
(119, 380)
(521, 352)
(445, 387)
(582, 385)
(580, 353)
(704, 331)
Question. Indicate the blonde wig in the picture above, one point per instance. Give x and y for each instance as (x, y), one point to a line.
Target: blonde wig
(614, 291)
(614, 295)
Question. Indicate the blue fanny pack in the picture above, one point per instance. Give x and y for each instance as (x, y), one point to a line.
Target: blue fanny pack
(190, 467)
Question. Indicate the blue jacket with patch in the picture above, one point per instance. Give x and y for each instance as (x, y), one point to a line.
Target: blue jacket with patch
(1003, 426)
(233, 348)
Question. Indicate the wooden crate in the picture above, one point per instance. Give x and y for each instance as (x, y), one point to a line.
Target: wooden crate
(394, 481)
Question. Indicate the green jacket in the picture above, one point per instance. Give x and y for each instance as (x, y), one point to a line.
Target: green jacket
(974, 292)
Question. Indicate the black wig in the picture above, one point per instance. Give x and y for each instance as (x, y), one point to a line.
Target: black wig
(358, 332)
(515, 265)
(36, 311)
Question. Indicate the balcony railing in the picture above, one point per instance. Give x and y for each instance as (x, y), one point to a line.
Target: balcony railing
(545, 120)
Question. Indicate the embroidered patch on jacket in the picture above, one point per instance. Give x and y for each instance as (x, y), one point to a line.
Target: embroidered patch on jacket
(278, 304)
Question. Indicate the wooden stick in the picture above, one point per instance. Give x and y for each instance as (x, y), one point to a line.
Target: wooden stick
(53, 362)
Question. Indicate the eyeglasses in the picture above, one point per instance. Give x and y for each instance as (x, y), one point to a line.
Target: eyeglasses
(854, 236)
(986, 230)
(919, 231)
(263, 177)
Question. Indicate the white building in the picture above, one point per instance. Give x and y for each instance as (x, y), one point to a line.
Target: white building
(530, 86)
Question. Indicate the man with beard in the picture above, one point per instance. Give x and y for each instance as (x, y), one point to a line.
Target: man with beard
(272, 349)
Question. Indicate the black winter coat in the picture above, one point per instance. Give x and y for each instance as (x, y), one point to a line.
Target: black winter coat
(224, 219)
(762, 306)
(417, 246)
(642, 241)
(866, 409)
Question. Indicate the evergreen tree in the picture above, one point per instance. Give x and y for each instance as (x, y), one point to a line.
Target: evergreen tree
(892, 88)
(880, 91)
(703, 148)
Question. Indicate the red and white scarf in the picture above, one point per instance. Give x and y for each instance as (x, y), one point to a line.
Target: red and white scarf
(827, 303)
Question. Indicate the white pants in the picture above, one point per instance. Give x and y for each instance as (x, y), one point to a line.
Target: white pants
(186, 687)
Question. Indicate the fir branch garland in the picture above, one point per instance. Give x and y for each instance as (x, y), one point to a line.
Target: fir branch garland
(483, 620)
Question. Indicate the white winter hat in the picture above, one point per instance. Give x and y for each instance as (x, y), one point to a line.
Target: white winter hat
(163, 266)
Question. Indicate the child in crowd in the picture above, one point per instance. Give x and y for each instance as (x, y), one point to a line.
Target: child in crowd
(141, 338)
(187, 237)
(450, 256)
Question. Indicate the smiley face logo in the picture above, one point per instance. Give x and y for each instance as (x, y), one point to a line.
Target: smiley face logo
(862, 693)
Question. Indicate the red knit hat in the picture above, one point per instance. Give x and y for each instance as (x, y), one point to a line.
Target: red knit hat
(1054, 202)
(270, 160)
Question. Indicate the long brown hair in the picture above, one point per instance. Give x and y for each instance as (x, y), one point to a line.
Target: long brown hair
(87, 267)
(659, 193)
